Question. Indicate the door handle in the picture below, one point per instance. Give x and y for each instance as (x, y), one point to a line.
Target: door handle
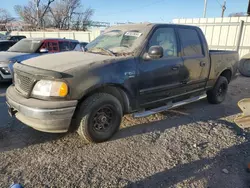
(202, 64)
(176, 67)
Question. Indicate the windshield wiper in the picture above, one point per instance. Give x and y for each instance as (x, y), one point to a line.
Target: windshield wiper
(102, 49)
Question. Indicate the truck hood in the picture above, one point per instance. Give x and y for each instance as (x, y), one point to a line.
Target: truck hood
(64, 61)
(6, 57)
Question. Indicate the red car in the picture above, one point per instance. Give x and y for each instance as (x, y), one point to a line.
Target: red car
(59, 45)
(33, 47)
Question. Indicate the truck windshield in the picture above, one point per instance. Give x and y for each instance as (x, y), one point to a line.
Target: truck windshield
(115, 41)
(26, 46)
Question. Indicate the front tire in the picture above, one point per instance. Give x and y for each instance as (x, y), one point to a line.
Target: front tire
(218, 93)
(99, 117)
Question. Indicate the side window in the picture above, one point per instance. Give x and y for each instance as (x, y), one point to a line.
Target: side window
(44, 45)
(78, 48)
(190, 41)
(8, 45)
(52, 46)
(3, 46)
(64, 46)
(166, 38)
(55, 46)
(73, 45)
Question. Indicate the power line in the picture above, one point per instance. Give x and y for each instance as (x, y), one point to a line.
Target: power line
(219, 3)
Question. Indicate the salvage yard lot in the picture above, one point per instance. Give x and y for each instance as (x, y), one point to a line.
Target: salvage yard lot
(197, 145)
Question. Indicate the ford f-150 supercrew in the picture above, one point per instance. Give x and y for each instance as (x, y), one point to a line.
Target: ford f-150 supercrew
(139, 68)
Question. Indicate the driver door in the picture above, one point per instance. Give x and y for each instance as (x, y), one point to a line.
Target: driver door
(160, 78)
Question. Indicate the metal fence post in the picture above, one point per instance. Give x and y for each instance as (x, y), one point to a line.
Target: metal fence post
(89, 36)
(238, 42)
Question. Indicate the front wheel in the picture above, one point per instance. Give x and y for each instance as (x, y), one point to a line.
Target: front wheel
(99, 117)
(218, 93)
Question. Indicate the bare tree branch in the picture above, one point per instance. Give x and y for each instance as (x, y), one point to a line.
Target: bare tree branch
(34, 12)
(61, 14)
(5, 18)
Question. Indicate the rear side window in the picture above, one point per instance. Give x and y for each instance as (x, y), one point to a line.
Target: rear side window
(64, 46)
(53, 46)
(73, 45)
(190, 41)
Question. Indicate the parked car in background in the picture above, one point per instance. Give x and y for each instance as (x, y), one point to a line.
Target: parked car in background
(80, 46)
(83, 44)
(29, 48)
(138, 68)
(6, 44)
(15, 37)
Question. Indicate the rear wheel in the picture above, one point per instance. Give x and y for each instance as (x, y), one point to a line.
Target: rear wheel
(218, 93)
(99, 117)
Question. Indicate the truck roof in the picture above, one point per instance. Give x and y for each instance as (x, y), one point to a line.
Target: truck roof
(144, 26)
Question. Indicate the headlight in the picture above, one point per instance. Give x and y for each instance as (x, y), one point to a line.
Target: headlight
(49, 88)
(5, 70)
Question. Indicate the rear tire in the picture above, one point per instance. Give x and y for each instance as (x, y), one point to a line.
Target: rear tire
(218, 93)
(99, 117)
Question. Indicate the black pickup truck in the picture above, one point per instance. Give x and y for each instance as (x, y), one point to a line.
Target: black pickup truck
(139, 68)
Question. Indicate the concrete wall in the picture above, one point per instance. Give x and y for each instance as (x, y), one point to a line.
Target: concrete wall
(223, 33)
(78, 35)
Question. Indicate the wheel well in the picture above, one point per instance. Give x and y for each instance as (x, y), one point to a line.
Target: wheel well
(227, 74)
(116, 91)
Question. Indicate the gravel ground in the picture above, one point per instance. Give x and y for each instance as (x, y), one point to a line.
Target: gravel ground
(197, 145)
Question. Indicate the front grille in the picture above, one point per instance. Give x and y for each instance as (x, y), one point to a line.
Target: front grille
(23, 82)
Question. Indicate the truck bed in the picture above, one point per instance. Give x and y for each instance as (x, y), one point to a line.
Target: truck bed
(221, 59)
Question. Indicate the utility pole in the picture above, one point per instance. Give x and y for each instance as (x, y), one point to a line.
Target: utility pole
(37, 2)
(248, 10)
(223, 8)
(205, 9)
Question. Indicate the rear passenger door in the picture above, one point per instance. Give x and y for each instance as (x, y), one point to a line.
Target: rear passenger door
(194, 57)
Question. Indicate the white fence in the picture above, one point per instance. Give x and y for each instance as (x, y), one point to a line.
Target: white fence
(223, 33)
(77, 35)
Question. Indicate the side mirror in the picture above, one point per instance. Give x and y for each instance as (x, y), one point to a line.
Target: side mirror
(155, 52)
(44, 50)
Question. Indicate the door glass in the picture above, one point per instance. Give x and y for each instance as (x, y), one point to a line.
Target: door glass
(190, 41)
(73, 45)
(64, 46)
(44, 45)
(3, 46)
(165, 37)
(52, 47)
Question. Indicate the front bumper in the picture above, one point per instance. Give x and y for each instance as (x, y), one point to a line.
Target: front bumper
(46, 116)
